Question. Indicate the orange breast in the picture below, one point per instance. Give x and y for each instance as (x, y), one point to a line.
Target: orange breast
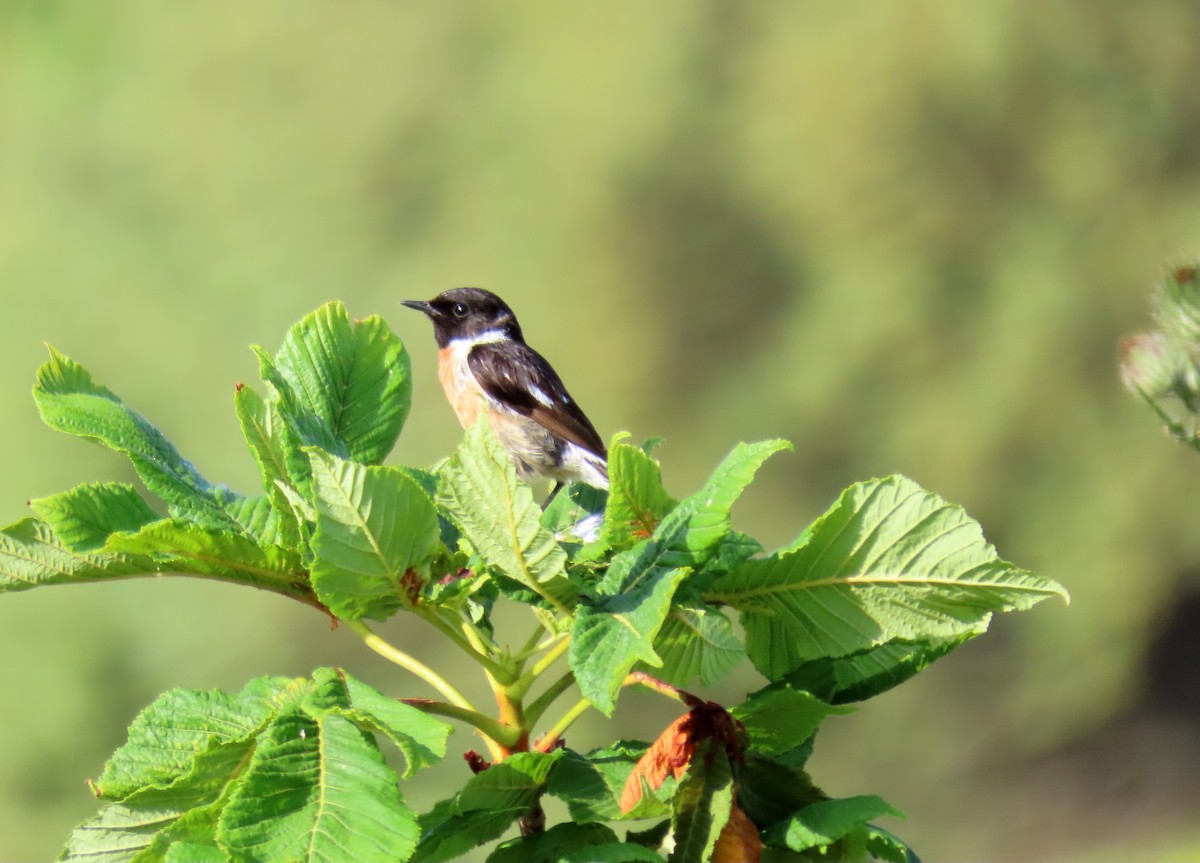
(459, 384)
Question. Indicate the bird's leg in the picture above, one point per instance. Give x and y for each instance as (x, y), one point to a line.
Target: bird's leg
(557, 488)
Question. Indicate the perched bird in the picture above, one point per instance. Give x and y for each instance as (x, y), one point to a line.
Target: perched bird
(484, 363)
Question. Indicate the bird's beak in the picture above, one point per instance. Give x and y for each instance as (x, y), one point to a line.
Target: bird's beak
(419, 305)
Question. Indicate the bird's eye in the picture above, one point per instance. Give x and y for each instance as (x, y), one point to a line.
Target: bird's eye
(460, 310)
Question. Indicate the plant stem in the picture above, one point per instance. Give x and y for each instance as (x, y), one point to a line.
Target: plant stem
(494, 732)
(551, 738)
(526, 680)
(538, 706)
(478, 654)
(410, 663)
(641, 678)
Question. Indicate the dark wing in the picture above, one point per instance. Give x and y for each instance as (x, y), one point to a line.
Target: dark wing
(515, 375)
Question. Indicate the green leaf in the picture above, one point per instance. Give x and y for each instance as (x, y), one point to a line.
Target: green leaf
(637, 500)
(498, 515)
(697, 642)
(263, 523)
(32, 556)
(317, 789)
(167, 737)
(828, 821)
(769, 791)
(487, 806)
(889, 560)
(867, 673)
(181, 546)
(421, 737)
(882, 845)
(618, 852)
(266, 436)
(352, 376)
(83, 517)
(591, 785)
(780, 719)
(557, 843)
(374, 524)
(144, 826)
(70, 401)
(616, 628)
(702, 803)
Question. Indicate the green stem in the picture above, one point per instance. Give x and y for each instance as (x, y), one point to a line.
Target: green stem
(492, 729)
(550, 740)
(410, 663)
(478, 654)
(539, 705)
(526, 680)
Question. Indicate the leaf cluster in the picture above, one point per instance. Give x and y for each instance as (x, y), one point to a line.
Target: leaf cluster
(632, 586)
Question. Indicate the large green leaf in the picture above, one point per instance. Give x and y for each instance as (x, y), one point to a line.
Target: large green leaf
(83, 517)
(374, 524)
(780, 720)
(591, 784)
(167, 737)
(498, 515)
(702, 803)
(866, 673)
(615, 628)
(353, 376)
(487, 806)
(317, 789)
(181, 546)
(145, 826)
(889, 560)
(421, 737)
(70, 401)
(697, 642)
(828, 821)
(32, 556)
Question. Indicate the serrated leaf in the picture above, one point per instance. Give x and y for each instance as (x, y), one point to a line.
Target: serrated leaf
(266, 437)
(592, 784)
(70, 401)
(615, 628)
(829, 821)
(487, 806)
(352, 375)
(779, 720)
(421, 737)
(182, 546)
(889, 560)
(32, 556)
(374, 524)
(867, 673)
(697, 642)
(140, 827)
(637, 500)
(83, 517)
(702, 803)
(262, 522)
(317, 790)
(498, 515)
(167, 737)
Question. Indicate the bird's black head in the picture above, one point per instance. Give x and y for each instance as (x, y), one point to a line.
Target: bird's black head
(464, 313)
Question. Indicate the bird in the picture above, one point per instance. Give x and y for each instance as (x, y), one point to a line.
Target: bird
(485, 365)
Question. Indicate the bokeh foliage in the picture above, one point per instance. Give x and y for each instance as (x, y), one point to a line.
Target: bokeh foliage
(905, 236)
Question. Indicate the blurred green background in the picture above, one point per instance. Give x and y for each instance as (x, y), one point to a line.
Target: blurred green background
(907, 236)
